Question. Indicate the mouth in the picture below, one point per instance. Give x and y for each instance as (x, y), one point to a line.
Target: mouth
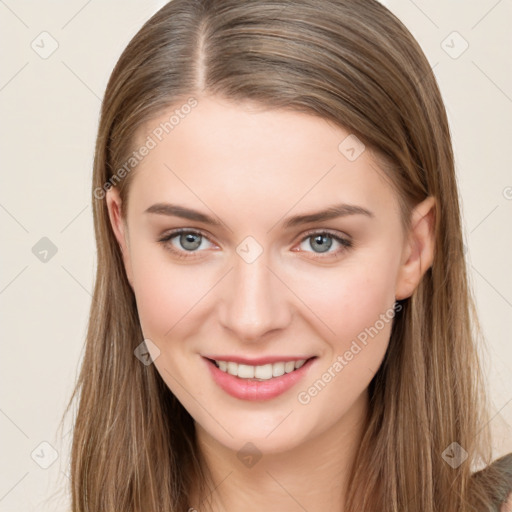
(257, 382)
(259, 372)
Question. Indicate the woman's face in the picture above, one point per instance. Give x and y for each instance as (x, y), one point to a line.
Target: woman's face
(292, 249)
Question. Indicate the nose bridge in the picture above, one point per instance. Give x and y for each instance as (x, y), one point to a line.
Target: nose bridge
(254, 301)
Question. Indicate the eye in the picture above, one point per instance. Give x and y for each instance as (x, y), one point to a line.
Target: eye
(184, 243)
(322, 241)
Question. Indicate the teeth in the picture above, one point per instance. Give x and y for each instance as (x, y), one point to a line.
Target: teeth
(289, 366)
(278, 369)
(245, 371)
(262, 372)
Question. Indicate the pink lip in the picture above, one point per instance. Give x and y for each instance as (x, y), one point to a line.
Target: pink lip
(248, 389)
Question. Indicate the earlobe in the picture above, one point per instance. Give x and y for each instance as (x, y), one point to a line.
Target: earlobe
(418, 255)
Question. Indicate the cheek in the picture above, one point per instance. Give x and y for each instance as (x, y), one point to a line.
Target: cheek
(356, 303)
(167, 294)
(349, 298)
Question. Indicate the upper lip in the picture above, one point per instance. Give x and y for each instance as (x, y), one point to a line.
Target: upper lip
(257, 361)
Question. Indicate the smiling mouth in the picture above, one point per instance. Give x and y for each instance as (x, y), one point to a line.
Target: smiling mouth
(259, 372)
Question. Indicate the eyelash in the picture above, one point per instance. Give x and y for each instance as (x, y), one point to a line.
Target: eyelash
(344, 242)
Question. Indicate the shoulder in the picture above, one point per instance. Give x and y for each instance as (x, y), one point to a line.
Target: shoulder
(506, 463)
(499, 472)
(507, 506)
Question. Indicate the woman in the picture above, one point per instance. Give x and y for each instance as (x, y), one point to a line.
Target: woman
(281, 316)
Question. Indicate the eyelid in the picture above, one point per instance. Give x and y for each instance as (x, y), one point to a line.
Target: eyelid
(331, 232)
(173, 232)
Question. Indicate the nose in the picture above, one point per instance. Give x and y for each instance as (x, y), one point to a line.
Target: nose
(255, 301)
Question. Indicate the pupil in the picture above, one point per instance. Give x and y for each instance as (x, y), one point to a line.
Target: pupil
(323, 243)
(190, 241)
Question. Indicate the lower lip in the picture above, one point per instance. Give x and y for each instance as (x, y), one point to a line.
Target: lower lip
(247, 389)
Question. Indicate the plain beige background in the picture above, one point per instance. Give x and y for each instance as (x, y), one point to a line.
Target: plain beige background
(55, 61)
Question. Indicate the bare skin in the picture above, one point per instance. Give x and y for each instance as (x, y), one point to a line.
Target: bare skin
(251, 170)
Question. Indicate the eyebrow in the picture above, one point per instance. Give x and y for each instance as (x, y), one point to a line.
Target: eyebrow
(173, 210)
(332, 212)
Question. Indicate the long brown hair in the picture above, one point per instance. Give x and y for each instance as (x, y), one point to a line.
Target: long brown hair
(354, 63)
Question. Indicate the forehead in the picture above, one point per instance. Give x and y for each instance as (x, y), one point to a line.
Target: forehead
(245, 156)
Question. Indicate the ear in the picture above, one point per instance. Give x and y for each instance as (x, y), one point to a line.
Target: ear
(418, 253)
(119, 227)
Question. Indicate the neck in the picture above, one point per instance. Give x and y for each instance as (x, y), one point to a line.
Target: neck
(314, 476)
